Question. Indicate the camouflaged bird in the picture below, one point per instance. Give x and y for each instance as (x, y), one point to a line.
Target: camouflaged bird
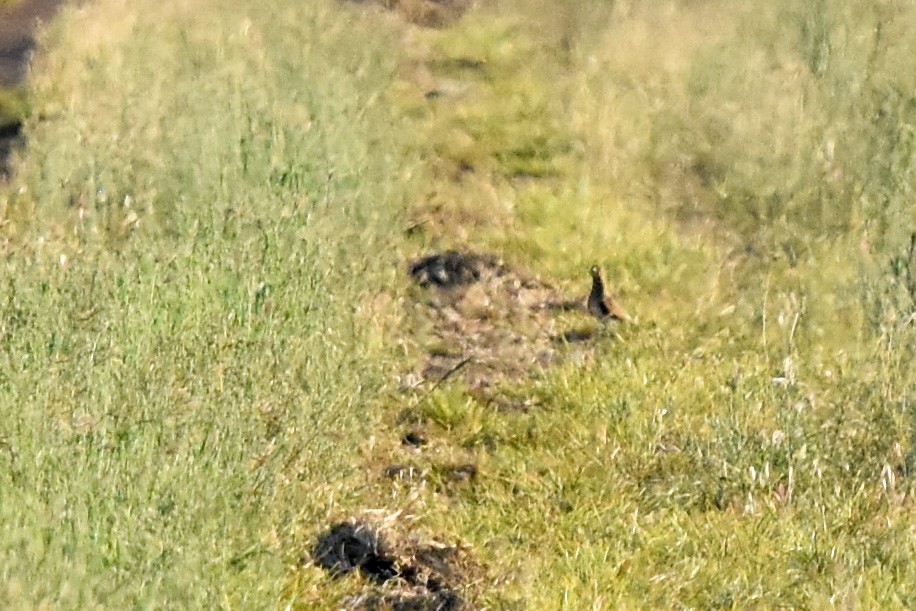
(603, 306)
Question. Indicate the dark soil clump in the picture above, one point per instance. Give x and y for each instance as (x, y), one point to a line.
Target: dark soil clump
(450, 269)
(414, 439)
(347, 547)
(416, 577)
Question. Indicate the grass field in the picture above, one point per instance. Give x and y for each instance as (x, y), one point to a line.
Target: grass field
(207, 323)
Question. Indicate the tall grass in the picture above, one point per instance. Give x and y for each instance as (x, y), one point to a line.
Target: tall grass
(202, 250)
(195, 242)
(744, 174)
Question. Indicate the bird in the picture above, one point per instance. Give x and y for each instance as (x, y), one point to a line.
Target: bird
(603, 306)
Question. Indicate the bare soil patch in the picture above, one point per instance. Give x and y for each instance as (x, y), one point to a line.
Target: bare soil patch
(415, 575)
(489, 322)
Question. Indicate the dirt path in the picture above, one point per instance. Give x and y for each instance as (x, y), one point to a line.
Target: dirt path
(17, 25)
(17, 40)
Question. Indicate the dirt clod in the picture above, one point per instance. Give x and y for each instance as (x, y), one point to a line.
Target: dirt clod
(414, 439)
(416, 576)
(449, 269)
(348, 546)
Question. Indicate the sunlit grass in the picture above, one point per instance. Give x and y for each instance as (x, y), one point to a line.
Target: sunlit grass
(746, 442)
(205, 309)
(192, 340)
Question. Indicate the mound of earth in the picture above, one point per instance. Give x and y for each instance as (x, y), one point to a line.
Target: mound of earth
(416, 576)
(489, 322)
(451, 269)
(347, 547)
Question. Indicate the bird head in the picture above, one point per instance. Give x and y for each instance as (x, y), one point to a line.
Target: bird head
(596, 273)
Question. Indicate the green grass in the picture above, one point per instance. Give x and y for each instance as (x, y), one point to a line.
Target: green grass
(751, 441)
(195, 246)
(206, 307)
